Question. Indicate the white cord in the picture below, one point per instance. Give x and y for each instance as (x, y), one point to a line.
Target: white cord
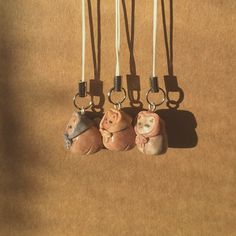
(83, 41)
(154, 38)
(117, 37)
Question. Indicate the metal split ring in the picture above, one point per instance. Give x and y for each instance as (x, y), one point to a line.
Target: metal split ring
(81, 109)
(152, 105)
(116, 104)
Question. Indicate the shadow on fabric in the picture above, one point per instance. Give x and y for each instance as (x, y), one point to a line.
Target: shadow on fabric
(180, 124)
(17, 151)
(132, 79)
(96, 85)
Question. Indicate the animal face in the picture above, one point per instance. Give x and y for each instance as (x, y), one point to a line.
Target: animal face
(110, 119)
(72, 123)
(145, 124)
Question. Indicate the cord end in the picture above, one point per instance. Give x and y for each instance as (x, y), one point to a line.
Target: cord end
(171, 83)
(154, 84)
(118, 83)
(82, 89)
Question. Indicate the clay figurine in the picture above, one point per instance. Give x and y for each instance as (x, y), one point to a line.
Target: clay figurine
(82, 136)
(117, 130)
(151, 136)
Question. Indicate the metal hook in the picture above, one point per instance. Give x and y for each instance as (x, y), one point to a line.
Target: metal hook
(81, 109)
(119, 102)
(152, 106)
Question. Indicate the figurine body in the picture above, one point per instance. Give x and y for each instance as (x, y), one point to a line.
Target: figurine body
(151, 136)
(117, 131)
(82, 136)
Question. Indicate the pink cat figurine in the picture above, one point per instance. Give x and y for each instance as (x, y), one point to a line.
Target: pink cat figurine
(151, 136)
(117, 130)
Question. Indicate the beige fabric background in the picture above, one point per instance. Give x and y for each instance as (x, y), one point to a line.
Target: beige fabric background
(44, 190)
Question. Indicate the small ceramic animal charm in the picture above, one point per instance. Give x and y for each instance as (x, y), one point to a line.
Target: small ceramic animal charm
(117, 130)
(151, 136)
(82, 136)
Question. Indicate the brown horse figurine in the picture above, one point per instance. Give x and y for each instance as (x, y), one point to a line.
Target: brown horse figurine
(82, 136)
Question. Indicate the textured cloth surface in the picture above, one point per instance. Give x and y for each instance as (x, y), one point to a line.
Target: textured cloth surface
(44, 190)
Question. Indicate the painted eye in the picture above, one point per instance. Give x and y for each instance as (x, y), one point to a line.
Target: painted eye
(139, 123)
(110, 122)
(70, 126)
(151, 120)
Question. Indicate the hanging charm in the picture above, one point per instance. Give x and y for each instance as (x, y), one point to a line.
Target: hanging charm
(116, 126)
(150, 130)
(82, 135)
(117, 131)
(151, 138)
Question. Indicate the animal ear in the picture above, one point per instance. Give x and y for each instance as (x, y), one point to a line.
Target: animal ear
(118, 114)
(103, 119)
